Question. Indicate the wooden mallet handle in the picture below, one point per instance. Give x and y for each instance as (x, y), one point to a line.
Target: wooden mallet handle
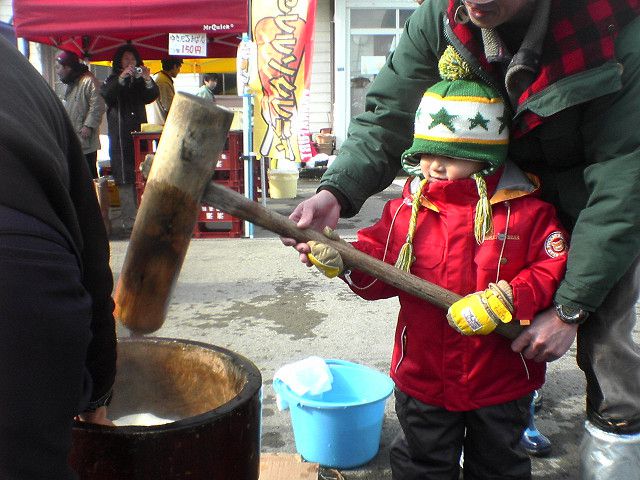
(237, 205)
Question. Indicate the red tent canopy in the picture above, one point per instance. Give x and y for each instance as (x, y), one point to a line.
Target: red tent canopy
(96, 28)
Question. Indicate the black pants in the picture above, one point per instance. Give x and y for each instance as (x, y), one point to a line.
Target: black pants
(91, 159)
(45, 315)
(432, 440)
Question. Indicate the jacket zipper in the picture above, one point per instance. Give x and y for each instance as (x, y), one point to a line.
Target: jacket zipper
(403, 347)
(473, 63)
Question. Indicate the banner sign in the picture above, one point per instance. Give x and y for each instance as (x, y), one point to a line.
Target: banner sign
(246, 71)
(188, 44)
(283, 33)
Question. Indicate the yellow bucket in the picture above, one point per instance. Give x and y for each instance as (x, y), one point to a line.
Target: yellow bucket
(283, 183)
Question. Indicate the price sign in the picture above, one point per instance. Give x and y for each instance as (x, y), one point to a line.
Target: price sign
(188, 44)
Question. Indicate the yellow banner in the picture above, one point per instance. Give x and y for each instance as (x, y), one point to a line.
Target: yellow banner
(283, 33)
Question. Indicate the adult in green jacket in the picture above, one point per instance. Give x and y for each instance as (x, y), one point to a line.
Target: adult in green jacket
(570, 70)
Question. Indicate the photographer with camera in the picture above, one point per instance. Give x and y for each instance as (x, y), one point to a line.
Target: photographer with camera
(126, 92)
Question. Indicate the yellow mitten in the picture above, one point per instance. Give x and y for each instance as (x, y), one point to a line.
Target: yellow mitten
(326, 258)
(481, 312)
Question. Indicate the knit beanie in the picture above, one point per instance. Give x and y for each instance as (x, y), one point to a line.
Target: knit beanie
(458, 117)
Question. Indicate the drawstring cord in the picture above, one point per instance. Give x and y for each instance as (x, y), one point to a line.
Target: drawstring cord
(347, 273)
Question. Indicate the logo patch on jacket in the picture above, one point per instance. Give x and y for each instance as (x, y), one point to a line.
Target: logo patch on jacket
(555, 244)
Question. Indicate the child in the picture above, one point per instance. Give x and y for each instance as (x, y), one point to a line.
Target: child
(468, 222)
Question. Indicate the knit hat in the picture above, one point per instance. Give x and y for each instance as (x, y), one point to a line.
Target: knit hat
(458, 117)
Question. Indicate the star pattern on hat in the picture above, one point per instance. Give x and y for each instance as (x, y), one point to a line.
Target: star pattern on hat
(503, 121)
(478, 121)
(442, 117)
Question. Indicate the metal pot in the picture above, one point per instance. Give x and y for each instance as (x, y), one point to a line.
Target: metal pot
(212, 393)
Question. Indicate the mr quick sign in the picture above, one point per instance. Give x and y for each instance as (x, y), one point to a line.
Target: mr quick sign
(188, 44)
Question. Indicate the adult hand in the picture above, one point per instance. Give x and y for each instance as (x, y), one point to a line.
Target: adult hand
(546, 339)
(321, 210)
(85, 132)
(128, 72)
(146, 73)
(99, 416)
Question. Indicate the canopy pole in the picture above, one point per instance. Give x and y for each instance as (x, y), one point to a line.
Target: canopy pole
(247, 143)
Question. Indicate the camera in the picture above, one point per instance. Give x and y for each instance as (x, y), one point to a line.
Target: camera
(138, 71)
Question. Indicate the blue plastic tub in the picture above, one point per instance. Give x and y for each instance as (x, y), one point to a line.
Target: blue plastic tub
(340, 428)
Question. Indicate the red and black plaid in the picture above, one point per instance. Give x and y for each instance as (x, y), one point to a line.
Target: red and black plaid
(580, 36)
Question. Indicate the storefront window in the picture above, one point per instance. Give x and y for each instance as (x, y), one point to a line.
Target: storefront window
(373, 34)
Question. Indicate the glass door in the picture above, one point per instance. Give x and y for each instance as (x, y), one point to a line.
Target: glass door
(373, 34)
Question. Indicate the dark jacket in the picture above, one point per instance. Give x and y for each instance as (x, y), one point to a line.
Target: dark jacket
(43, 173)
(125, 113)
(586, 153)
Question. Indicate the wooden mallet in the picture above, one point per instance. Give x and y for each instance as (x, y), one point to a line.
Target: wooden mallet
(192, 139)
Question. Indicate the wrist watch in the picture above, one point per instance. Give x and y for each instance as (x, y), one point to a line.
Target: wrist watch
(571, 315)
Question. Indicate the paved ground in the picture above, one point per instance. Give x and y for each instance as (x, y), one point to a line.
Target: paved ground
(254, 297)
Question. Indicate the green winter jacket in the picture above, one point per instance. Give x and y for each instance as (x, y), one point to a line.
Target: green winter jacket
(587, 155)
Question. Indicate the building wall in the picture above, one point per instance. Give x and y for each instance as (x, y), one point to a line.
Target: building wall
(6, 10)
(321, 114)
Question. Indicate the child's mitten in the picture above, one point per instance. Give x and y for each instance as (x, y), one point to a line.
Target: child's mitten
(481, 312)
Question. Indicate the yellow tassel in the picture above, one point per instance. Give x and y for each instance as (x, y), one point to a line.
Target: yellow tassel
(405, 257)
(483, 221)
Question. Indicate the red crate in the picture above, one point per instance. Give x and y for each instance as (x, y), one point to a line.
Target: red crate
(207, 230)
(214, 223)
(143, 144)
(229, 171)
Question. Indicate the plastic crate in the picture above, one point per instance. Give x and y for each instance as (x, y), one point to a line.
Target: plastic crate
(214, 223)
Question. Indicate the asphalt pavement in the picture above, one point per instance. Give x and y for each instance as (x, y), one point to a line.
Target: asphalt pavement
(254, 297)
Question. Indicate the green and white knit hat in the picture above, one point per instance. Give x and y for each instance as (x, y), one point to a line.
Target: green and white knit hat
(459, 117)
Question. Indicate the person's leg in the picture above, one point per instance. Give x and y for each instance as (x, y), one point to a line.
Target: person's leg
(128, 205)
(534, 442)
(610, 360)
(492, 449)
(45, 316)
(92, 159)
(430, 443)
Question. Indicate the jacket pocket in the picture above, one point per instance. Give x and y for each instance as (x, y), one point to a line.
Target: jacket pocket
(428, 256)
(494, 262)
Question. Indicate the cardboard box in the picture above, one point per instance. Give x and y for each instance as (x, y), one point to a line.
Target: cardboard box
(114, 194)
(286, 466)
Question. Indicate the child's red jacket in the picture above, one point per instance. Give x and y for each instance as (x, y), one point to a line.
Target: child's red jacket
(432, 362)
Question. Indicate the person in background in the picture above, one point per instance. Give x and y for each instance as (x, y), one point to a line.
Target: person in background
(471, 223)
(57, 331)
(209, 84)
(157, 111)
(126, 92)
(570, 72)
(79, 91)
